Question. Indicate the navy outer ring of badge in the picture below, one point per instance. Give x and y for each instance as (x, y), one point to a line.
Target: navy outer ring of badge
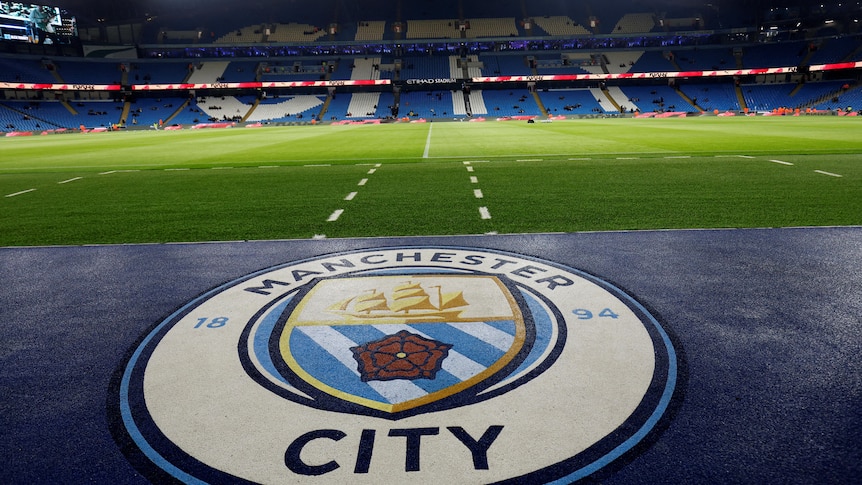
(161, 457)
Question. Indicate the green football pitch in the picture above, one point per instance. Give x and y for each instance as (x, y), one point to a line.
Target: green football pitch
(430, 179)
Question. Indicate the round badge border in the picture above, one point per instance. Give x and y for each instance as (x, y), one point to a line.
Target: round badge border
(145, 446)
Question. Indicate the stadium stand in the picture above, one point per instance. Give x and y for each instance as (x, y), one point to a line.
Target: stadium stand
(370, 30)
(560, 26)
(632, 23)
(570, 101)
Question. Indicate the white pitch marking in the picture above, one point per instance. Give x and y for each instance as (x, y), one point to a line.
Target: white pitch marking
(319, 236)
(363, 182)
(469, 169)
(351, 195)
(474, 180)
(627, 158)
(529, 160)
(466, 163)
(318, 165)
(19, 193)
(378, 165)
(268, 166)
(680, 156)
(371, 172)
(70, 180)
(744, 156)
(108, 173)
(781, 162)
(581, 158)
(176, 169)
(222, 168)
(428, 141)
(478, 193)
(828, 173)
(484, 213)
(335, 215)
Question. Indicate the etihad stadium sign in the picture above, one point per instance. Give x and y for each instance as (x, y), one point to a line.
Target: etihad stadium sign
(419, 364)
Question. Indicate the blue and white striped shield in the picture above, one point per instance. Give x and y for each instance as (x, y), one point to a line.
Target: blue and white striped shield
(396, 342)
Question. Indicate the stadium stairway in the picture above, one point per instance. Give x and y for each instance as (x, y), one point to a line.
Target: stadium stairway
(539, 103)
(687, 99)
(739, 97)
(177, 111)
(250, 110)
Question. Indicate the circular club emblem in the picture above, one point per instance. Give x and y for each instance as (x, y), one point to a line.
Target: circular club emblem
(396, 365)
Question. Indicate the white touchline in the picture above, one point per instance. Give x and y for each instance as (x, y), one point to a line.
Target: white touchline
(474, 180)
(428, 141)
(351, 195)
(363, 182)
(478, 193)
(484, 213)
(335, 215)
(828, 173)
(781, 162)
(19, 193)
(70, 180)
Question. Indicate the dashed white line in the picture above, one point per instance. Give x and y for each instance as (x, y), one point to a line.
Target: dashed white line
(828, 173)
(627, 158)
(378, 165)
(474, 180)
(484, 213)
(222, 168)
(680, 156)
(581, 158)
(335, 215)
(318, 165)
(19, 193)
(371, 172)
(319, 236)
(268, 166)
(176, 169)
(351, 195)
(529, 160)
(478, 193)
(744, 156)
(782, 162)
(469, 169)
(70, 180)
(362, 182)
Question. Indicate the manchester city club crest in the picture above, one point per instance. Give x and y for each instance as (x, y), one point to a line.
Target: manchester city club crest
(384, 365)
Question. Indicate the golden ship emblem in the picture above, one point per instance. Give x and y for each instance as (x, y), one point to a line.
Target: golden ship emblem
(408, 301)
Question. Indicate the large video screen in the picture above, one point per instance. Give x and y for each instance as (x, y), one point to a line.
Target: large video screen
(34, 23)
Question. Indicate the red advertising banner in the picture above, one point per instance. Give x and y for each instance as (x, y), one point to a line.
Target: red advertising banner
(383, 82)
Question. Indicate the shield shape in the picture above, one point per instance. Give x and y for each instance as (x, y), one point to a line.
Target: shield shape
(394, 343)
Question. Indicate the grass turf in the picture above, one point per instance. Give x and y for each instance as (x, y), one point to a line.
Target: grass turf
(286, 182)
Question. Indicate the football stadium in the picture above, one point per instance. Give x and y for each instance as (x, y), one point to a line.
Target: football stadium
(548, 241)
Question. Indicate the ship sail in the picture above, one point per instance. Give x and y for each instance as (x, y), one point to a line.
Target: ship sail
(374, 301)
(408, 300)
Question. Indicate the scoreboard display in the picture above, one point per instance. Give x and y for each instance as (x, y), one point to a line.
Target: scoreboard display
(36, 23)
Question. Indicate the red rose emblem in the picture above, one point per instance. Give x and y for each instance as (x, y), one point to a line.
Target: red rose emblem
(403, 355)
